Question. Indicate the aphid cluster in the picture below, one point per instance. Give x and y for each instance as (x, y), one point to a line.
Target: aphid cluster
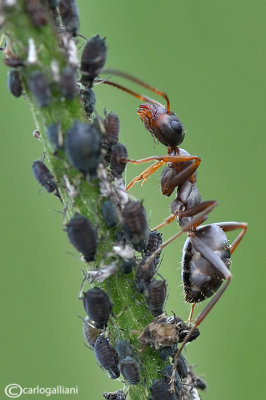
(92, 152)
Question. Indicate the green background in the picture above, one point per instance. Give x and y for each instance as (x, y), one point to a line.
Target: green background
(210, 57)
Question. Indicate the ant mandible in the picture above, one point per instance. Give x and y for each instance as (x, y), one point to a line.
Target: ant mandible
(164, 125)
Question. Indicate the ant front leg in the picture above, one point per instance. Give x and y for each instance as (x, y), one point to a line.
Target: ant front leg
(161, 160)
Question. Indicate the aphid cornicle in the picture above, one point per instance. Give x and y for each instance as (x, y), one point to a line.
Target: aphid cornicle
(98, 306)
(14, 83)
(83, 148)
(90, 333)
(130, 370)
(39, 88)
(110, 215)
(134, 224)
(155, 296)
(36, 12)
(45, 177)
(82, 236)
(117, 160)
(70, 17)
(92, 60)
(106, 356)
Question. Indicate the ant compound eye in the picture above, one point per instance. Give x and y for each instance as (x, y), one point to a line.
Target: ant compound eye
(177, 126)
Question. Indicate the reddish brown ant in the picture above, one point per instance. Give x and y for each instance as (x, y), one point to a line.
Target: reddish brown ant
(164, 125)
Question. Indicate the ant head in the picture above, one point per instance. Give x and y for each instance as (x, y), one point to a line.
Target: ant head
(166, 127)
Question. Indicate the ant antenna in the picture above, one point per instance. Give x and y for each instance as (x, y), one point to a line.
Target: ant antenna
(132, 78)
(125, 89)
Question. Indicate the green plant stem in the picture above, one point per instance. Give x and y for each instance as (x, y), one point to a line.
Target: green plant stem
(129, 309)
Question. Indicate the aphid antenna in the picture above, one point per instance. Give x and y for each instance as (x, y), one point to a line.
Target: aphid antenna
(139, 82)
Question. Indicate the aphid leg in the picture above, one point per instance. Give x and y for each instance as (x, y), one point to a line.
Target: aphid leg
(161, 160)
(139, 82)
(231, 226)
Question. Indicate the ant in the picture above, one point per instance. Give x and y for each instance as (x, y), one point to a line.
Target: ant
(207, 253)
(164, 125)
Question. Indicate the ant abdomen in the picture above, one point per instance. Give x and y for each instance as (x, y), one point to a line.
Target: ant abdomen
(200, 279)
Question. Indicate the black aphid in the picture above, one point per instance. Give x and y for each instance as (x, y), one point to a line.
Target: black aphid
(112, 125)
(53, 4)
(110, 138)
(92, 59)
(167, 374)
(134, 224)
(68, 81)
(55, 136)
(130, 370)
(200, 384)
(110, 215)
(117, 161)
(14, 83)
(155, 296)
(184, 332)
(144, 274)
(98, 306)
(128, 265)
(45, 177)
(90, 333)
(39, 88)
(123, 349)
(106, 356)
(70, 16)
(82, 236)
(88, 99)
(118, 395)
(36, 12)
(154, 241)
(83, 147)
(182, 367)
(168, 351)
(160, 390)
